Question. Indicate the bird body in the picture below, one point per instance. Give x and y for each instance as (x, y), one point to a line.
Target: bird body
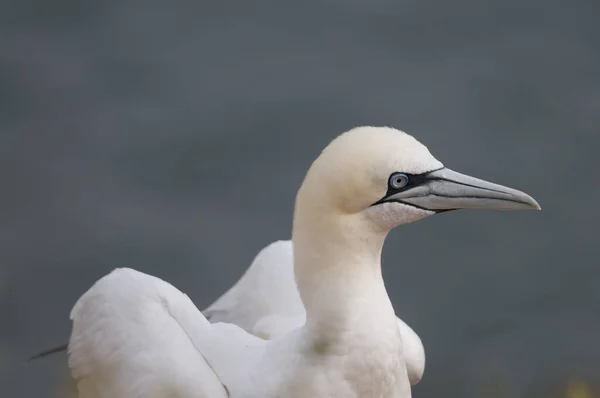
(265, 302)
(134, 325)
(336, 334)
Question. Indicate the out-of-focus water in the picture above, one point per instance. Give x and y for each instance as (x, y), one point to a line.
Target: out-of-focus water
(171, 137)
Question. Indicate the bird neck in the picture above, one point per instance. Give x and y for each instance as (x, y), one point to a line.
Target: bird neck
(337, 265)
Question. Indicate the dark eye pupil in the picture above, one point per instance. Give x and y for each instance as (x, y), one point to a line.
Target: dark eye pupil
(399, 181)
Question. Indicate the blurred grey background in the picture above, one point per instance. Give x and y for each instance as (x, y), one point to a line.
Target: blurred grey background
(171, 137)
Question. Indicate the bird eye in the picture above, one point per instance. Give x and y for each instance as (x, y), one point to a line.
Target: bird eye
(398, 180)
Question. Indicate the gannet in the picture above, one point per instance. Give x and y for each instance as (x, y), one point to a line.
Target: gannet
(134, 335)
(266, 303)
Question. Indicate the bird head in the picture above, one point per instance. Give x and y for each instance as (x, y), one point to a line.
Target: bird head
(386, 177)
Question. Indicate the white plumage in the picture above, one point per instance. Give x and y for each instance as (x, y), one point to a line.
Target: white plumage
(127, 341)
(315, 321)
(266, 303)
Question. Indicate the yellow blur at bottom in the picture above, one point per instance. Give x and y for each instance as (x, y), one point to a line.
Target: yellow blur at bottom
(579, 389)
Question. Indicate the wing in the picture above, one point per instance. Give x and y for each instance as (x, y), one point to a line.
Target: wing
(413, 351)
(131, 338)
(265, 302)
(265, 297)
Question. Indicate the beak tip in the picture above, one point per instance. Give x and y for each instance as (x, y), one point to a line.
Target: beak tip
(534, 204)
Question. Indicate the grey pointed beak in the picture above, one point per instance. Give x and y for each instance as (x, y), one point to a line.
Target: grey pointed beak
(444, 189)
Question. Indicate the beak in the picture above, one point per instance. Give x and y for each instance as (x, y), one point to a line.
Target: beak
(443, 189)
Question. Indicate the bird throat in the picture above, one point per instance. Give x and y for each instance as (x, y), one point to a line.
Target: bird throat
(338, 272)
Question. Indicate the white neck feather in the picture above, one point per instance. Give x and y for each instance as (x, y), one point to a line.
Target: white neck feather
(351, 327)
(337, 265)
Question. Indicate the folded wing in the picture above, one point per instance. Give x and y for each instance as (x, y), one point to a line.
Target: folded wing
(129, 339)
(265, 300)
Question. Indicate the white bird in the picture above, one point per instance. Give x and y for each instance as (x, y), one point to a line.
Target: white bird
(135, 335)
(266, 303)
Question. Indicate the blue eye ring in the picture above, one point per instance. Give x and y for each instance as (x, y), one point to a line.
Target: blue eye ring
(398, 180)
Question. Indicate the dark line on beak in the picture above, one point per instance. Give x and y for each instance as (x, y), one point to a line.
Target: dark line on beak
(413, 205)
(478, 197)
